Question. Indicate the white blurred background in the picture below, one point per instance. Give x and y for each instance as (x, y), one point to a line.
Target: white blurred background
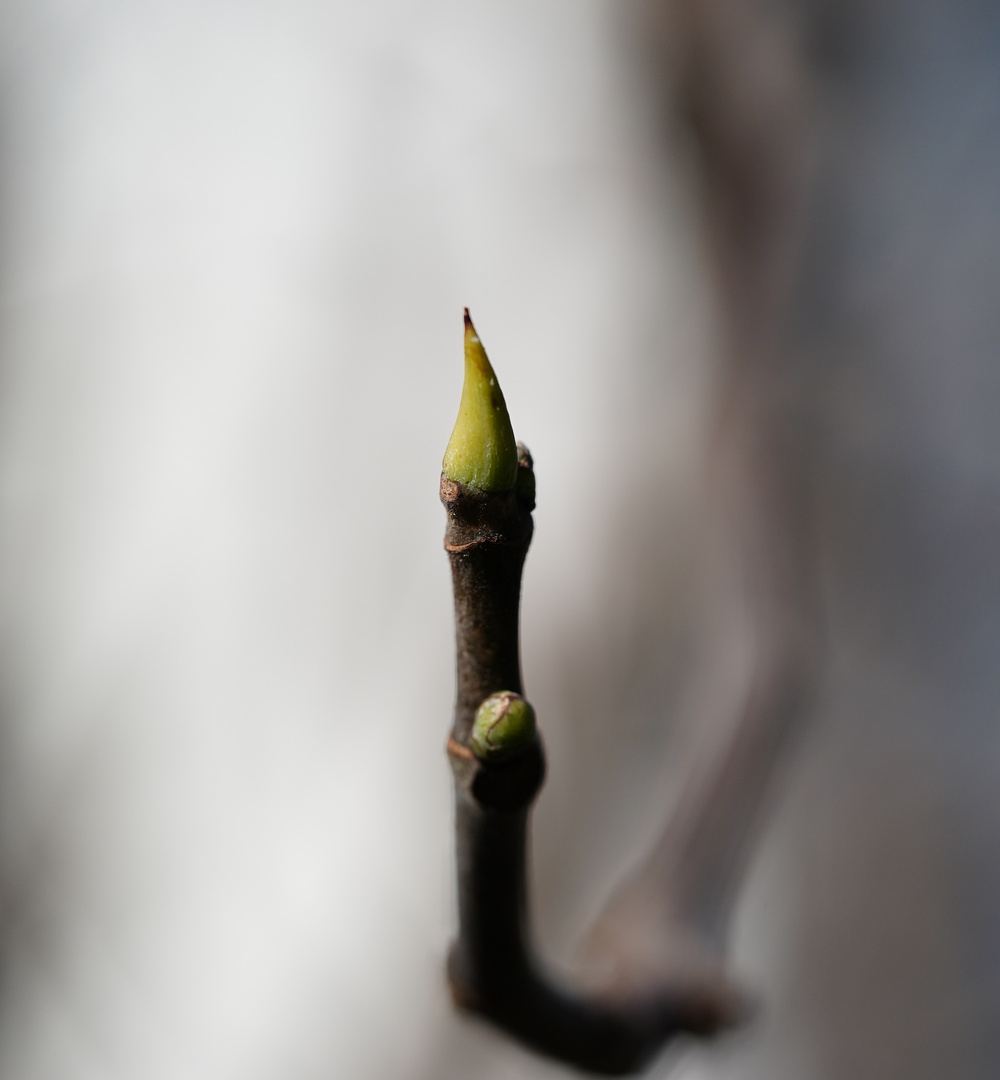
(235, 244)
(236, 240)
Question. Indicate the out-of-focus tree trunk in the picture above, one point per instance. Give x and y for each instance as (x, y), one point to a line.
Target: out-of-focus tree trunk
(881, 887)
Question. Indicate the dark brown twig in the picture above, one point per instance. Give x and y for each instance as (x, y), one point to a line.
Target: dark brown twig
(617, 1028)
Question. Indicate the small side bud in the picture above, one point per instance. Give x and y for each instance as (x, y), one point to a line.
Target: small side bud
(481, 453)
(503, 727)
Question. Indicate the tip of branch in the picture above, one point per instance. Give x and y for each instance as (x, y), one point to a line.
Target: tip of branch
(482, 452)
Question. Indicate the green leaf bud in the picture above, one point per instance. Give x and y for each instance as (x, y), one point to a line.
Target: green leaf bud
(503, 727)
(481, 452)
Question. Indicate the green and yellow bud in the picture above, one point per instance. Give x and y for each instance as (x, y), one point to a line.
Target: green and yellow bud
(481, 453)
(503, 727)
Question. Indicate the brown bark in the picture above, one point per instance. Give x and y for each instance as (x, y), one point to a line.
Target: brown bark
(492, 968)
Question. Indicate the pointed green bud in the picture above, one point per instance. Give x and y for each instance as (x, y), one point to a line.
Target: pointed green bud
(503, 727)
(481, 453)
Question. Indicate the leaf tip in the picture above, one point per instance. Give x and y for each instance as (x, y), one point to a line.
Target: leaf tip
(481, 453)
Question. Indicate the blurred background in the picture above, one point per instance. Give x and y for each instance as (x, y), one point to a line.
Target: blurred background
(235, 245)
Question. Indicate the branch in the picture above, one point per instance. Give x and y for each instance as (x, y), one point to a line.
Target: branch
(616, 1027)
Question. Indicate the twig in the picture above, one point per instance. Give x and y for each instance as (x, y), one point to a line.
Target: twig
(492, 967)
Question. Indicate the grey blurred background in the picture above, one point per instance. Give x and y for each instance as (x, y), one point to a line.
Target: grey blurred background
(235, 244)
